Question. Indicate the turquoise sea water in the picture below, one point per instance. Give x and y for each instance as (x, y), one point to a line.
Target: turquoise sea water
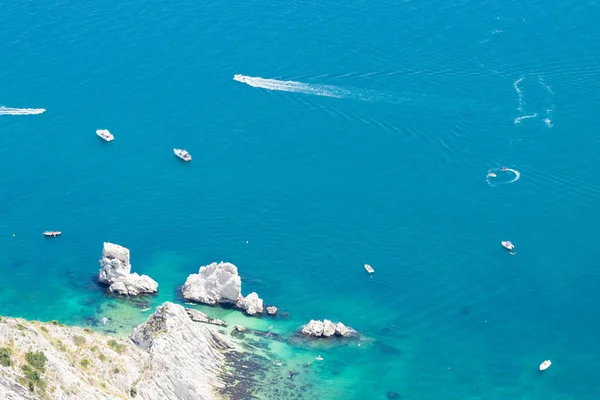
(378, 156)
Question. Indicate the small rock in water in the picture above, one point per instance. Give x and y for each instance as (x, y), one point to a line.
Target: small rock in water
(239, 328)
(271, 310)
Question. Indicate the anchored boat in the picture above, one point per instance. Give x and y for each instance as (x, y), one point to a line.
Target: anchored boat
(52, 233)
(105, 134)
(545, 365)
(508, 245)
(369, 268)
(183, 154)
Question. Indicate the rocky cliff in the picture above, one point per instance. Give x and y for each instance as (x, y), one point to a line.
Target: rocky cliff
(168, 357)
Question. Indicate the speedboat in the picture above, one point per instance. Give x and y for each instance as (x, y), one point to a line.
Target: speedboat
(492, 175)
(105, 134)
(545, 365)
(508, 245)
(239, 78)
(52, 233)
(184, 155)
(369, 268)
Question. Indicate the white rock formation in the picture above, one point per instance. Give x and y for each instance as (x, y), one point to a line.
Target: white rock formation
(114, 263)
(219, 283)
(133, 284)
(313, 328)
(214, 283)
(116, 271)
(326, 328)
(252, 304)
(199, 316)
(184, 356)
(271, 310)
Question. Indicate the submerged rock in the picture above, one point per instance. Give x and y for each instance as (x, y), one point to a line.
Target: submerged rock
(326, 328)
(219, 283)
(116, 271)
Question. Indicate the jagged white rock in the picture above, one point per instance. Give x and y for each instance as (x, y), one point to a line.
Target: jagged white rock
(133, 285)
(220, 283)
(184, 356)
(214, 283)
(116, 271)
(252, 304)
(271, 310)
(326, 328)
(114, 263)
(199, 316)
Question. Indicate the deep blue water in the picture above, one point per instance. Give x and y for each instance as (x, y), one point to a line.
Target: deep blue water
(390, 171)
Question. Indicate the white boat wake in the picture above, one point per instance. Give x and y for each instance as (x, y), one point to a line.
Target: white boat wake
(497, 176)
(21, 111)
(319, 90)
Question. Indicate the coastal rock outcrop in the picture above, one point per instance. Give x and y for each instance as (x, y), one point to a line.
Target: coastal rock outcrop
(219, 283)
(116, 271)
(326, 328)
(271, 310)
(252, 304)
(199, 316)
(184, 356)
(133, 285)
(114, 263)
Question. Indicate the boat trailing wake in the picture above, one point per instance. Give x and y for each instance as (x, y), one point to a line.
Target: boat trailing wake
(319, 90)
(500, 176)
(521, 102)
(21, 111)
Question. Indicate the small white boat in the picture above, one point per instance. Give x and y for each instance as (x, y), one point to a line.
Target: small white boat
(105, 134)
(184, 155)
(508, 245)
(545, 365)
(52, 233)
(369, 268)
(492, 175)
(319, 358)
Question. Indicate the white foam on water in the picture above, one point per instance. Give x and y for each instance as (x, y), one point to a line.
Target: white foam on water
(497, 180)
(518, 119)
(292, 86)
(21, 111)
(320, 90)
(519, 92)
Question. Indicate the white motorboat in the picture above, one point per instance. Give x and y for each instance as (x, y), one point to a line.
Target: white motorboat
(239, 78)
(184, 155)
(105, 134)
(369, 268)
(508, 245)
(52, 233)
(492, 175)
(545, 365)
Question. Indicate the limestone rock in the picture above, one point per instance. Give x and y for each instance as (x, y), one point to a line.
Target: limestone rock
(199, 316)
(252, 304)
(343, 330)
(133, 285)
(116, 271)
(313, 328)
(239, 328)
(214, 283)
(271, 310)
(184, 356)
(114, 263)
(328, 328)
